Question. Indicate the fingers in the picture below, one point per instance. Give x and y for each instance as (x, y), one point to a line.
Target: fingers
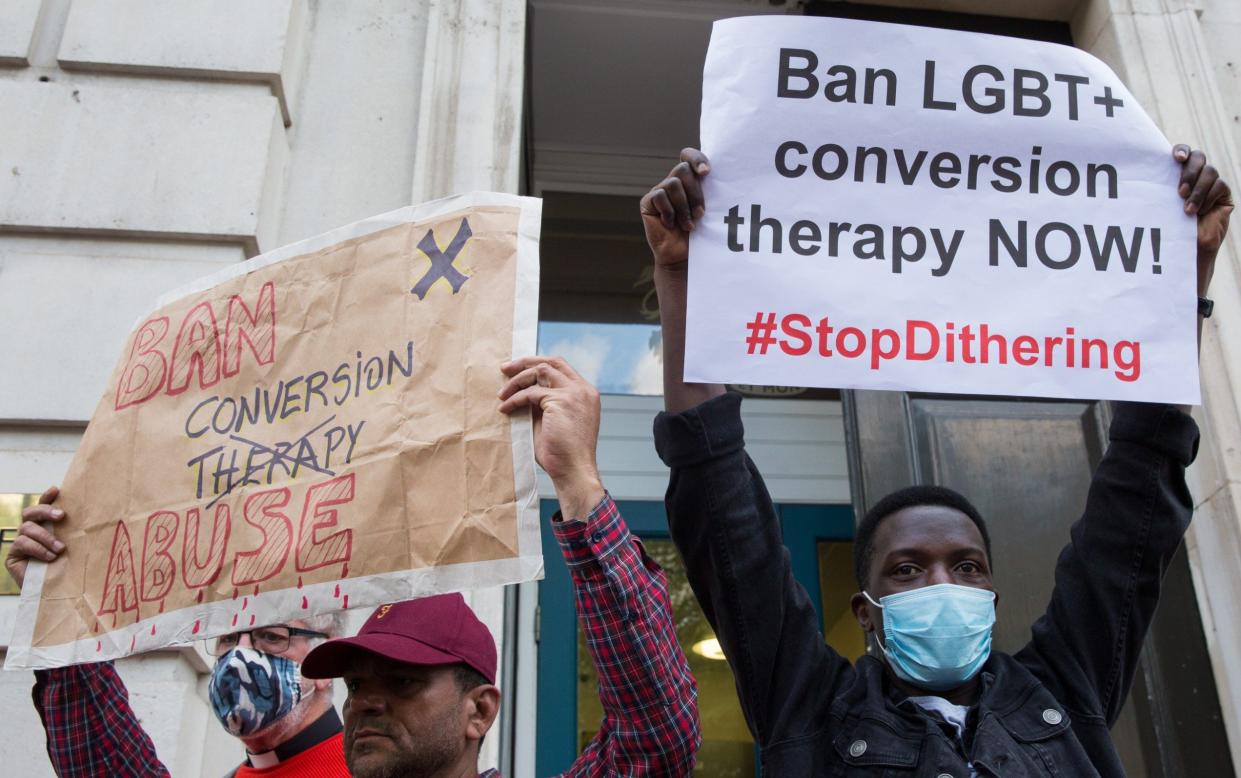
(1206, 179)
(35, 542)
(536, 378)
(657, 203)
(540, 375)
(1192, 163)
(1191, 168)
(48, 497)
(511, 369)
(678, 199)
(1220, 195)
(675, 190)
(530, 397)
(540, 371)
(697, 160)
(691, 183)
(562, 365)
(42, 512)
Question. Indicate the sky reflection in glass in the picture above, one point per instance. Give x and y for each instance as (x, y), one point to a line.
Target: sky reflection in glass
(616, 358)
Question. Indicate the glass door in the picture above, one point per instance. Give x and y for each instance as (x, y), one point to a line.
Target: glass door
(819, 538)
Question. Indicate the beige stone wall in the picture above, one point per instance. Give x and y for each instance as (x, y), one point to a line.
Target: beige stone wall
(149, 142)
(1216, 539)
(1179, 57)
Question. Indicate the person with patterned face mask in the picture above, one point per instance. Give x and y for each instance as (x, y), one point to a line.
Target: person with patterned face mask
(286, 723)
(259, 695)
(256, 690)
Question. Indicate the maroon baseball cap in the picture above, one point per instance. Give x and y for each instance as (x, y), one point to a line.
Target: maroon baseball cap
(439, 630)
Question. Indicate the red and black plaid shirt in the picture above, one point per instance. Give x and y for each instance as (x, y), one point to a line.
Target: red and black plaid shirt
(91, 730)
(650, 700)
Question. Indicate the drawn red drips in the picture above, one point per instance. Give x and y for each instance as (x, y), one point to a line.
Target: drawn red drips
(337, 594)
(299, 582)
(244, 602)
(344, 570)
(251, 619)
(161, 606)
(346, 603)
(234, 619)
(98, 646)
(196, 626)
(200, 595)
(133, 641)
(152, 629)
(305, 604)
(256, 590)
(234, 592)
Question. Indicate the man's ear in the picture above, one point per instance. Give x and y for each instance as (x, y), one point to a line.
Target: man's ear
(323, 684)
(861, 612)
(482, 707)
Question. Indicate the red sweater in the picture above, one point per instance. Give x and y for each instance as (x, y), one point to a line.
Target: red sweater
(323, 760)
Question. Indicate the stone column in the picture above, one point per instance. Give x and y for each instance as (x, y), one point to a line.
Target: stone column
(469, 120)
(469, 138)
(1160, 49)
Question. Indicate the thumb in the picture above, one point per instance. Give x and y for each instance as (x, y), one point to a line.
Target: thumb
(16, 565)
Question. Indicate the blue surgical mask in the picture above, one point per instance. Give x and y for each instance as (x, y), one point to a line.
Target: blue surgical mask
(250, 689)
(937, 637)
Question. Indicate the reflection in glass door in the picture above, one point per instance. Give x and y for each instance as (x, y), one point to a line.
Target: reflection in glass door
(569, 712)
(727, 749)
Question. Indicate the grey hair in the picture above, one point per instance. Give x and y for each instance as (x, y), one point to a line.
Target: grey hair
(330, 624)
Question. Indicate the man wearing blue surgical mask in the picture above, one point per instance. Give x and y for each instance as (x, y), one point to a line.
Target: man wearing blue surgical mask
(931, 698)
(922, 559)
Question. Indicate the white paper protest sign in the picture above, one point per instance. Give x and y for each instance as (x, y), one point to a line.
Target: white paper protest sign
(896, 207)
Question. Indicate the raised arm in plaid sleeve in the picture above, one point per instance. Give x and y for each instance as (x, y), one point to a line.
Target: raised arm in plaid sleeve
(650, 700)
(91, 730)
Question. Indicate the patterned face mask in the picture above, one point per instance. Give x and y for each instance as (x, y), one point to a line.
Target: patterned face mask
(250, 690)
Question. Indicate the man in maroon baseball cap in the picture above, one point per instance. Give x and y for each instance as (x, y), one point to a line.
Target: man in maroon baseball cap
(439, 630)
(421, 674)
(421, 677)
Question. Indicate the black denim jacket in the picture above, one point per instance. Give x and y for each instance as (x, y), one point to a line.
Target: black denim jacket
(1044, 711)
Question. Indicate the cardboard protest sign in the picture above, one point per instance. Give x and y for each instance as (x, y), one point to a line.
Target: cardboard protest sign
(311, 430)
(896, 207)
